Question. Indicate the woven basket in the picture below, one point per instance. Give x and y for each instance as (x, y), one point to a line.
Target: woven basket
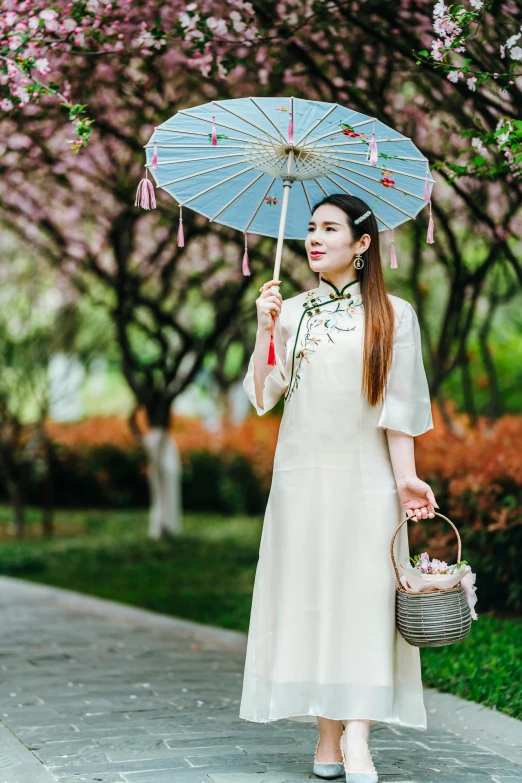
(431, 619)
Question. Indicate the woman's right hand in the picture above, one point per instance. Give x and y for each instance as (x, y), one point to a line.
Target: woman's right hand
(269, 303)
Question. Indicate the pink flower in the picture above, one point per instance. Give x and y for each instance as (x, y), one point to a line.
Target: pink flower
(14, 42)
(48, 14)
(42, 65)
(425, 556)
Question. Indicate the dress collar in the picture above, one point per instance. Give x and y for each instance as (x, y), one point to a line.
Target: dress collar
(326, 287)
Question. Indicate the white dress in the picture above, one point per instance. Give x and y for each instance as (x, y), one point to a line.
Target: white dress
(322, 638)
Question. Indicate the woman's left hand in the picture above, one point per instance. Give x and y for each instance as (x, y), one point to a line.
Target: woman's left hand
(416, 497)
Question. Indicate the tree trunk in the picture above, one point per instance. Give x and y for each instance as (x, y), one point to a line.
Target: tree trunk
(48, 492)
(15, 496)
(495, 402)
(164, 483)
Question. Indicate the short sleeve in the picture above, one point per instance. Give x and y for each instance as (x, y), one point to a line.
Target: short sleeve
(276, 382)
(407, 406)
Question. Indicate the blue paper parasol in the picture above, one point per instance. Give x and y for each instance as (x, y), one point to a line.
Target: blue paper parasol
(259, 164)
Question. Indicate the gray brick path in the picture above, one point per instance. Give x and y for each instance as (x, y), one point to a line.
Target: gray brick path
(101, 693)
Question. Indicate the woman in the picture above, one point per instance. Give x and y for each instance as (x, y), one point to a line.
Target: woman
(322, 642)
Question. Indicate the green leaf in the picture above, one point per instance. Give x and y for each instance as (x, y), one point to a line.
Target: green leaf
(424, 52)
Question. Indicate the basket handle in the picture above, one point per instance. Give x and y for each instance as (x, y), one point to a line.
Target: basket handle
(417, 520)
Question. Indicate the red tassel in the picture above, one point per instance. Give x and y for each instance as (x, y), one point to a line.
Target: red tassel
(155, 156)
(271, 350)
(246, 268)
(291, 128)
(429, 238)
(181, 238)
(393, 257)
(214, 134)
(374, 155)
(145, 196)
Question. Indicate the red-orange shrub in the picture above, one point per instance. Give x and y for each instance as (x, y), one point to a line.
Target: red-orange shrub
(476, 473)
(255, 438)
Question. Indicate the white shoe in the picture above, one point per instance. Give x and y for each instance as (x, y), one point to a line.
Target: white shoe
(328, 770)
(355, 776)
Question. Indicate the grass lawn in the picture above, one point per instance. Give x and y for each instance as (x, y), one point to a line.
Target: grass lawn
(207, 575)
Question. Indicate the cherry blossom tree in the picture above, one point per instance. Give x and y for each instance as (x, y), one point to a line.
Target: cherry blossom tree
(37, 41)
(457, 28)
(132, 67)
(172, 308)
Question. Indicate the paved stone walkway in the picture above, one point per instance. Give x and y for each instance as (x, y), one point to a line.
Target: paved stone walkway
(91, 691)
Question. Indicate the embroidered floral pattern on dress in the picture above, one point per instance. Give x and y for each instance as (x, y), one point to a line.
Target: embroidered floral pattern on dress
(321, 324)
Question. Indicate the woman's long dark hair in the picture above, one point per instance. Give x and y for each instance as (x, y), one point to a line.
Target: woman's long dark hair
(378, 311)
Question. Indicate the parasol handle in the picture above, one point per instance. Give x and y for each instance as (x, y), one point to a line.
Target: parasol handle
(287, 184)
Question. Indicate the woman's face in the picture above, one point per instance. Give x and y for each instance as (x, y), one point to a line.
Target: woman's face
(329, 243)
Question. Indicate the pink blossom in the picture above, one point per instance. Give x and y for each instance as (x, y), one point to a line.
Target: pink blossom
(23, 95)
(239, 25)
(42, 65)
(48, 14)
(218, 26)
(512, 40)
(14, 42)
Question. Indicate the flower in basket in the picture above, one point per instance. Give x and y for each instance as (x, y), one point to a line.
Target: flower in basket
(423, 575)
(426, 566)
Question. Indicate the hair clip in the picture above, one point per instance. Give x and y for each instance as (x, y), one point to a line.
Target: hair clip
(358, 220)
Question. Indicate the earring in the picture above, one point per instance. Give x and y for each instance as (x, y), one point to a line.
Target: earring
(359, 261)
